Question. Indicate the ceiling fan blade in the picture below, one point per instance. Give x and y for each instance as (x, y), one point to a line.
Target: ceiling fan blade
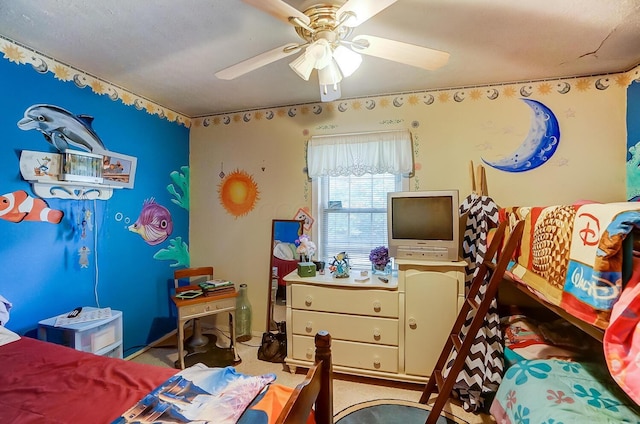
(279, 9)
(363, 9)
(256, 62)
(397, 51)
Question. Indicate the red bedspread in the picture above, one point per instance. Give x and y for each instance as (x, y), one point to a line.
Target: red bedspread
(45, 383)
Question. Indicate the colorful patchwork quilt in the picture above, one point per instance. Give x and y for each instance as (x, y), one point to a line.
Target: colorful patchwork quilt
(572, 256)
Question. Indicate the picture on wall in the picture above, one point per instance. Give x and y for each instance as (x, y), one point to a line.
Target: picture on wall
(119, 169)
(303, 215)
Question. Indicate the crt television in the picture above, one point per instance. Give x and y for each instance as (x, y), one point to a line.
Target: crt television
(423, 225)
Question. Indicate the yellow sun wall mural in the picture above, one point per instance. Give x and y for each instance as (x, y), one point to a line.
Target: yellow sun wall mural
(238, 193)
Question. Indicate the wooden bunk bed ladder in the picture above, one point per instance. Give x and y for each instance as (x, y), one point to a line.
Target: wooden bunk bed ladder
(494, 266)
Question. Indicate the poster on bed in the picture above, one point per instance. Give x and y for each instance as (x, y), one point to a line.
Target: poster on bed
(198, 393)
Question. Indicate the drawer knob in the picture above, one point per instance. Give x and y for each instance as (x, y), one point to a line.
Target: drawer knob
(309, 327)
(308, 300)
(376, 334)
(376, 363)
(309, 353)
(413, 324)
(377, 306)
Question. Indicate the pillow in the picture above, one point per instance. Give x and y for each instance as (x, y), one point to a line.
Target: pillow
(520, 328)
(5, 305)
(284, 251)
(7, 336)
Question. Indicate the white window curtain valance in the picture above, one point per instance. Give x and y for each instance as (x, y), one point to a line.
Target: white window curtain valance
(360, 153)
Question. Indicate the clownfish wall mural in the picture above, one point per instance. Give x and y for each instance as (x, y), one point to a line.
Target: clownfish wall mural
(154, 224)
(18, 206)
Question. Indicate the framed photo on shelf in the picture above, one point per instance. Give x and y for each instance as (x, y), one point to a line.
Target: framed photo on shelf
(40, 166)
(119, 170)
(79, 166)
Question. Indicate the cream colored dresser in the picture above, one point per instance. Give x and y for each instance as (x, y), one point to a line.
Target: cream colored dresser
(392, 330)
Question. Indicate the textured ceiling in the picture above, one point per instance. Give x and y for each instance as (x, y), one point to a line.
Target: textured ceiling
(168, 51)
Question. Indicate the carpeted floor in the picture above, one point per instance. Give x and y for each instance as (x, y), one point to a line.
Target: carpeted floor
(384, 411)
(348, 391)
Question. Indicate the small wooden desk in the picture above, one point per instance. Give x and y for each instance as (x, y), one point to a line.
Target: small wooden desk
(203, 306)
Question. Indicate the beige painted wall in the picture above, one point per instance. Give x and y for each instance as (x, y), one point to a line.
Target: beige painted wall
(450, 128)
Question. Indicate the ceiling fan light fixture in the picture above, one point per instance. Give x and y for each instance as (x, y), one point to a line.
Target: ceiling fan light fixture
(329, 93)
(320, 52)
(348, 60)
(330, 74)
(303, 65)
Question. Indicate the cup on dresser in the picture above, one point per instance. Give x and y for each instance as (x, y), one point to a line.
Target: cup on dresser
(320, 266)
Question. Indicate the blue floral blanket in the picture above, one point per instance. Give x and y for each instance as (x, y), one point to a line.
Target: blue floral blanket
(553, 391)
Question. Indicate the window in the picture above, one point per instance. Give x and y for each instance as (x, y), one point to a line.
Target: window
(352, 215)
(352, 174)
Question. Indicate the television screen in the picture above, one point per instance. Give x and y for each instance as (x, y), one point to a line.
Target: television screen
(422, 218)
(423, 225)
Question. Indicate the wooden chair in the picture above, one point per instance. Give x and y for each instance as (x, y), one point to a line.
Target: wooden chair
(195, 276)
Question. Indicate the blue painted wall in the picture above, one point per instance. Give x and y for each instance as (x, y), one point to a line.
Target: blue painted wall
(41, 273)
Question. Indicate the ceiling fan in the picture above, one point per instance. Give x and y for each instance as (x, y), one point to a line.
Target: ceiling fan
(325, 30)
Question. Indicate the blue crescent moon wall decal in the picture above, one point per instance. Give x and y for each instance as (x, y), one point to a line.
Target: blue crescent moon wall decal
(539, 145)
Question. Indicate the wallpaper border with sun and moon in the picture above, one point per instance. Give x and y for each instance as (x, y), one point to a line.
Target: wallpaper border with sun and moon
(20, 54)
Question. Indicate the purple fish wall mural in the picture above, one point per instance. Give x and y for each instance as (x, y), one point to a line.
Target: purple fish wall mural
(154, 223)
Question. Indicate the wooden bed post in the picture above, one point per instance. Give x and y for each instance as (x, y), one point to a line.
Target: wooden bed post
(316, 389)
(324, 402)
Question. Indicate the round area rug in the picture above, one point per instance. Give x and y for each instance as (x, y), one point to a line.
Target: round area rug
(384, 411)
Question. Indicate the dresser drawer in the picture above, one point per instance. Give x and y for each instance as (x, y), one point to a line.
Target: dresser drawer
(346, 327)
(193, 311)
(350, 354)
(379, 303)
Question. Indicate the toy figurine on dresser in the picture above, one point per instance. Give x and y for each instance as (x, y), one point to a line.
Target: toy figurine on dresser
(340, 265)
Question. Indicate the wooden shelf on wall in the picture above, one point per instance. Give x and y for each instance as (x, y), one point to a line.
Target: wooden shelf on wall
(72, 190)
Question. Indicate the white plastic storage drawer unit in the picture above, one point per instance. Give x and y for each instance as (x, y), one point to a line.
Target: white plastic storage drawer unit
(101, 337)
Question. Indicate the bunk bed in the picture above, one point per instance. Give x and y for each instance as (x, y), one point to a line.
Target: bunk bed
(42, 382)
(579, 262)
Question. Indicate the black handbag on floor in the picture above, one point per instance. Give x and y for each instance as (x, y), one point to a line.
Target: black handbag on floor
(274, 345)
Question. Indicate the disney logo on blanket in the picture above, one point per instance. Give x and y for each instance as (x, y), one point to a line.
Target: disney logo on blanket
(594, 275)
(583, 284)
(588, 235)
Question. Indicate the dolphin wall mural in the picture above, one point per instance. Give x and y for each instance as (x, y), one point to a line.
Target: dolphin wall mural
(62, 129)
(539, 145)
